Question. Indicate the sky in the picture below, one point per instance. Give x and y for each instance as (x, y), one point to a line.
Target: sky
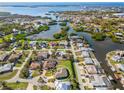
(61, 0)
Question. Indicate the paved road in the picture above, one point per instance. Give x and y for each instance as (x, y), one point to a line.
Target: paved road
(30, 86)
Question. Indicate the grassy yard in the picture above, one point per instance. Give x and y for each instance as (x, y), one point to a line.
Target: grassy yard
(8, 75)
(18, 64)
(35, 87)
(1, 40)
(76, 74)
(67, 64)
(35, 73)
(50, 72)
(18, 86)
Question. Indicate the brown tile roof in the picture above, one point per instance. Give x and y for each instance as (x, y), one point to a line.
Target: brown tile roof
(50, 64)
(34, 65)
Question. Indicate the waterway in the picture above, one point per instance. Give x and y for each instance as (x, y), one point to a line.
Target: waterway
(101, 47)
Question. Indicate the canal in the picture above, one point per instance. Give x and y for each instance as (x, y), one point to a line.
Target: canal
(101, 49)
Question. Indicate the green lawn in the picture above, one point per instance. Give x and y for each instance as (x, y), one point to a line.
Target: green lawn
(18, 64)
(8, 37)
(18, 86)
(35, 73)
(50, 72)
(67, 64)
(8, 75)
(76, 73)
(35, 87)
(1, 40)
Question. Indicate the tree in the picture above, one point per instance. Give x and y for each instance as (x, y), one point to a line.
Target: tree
(99, 36)
(63, 24)
(43, 28)
(24, 73)
(57, 35)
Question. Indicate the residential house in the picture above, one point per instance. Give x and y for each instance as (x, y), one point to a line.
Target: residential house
(88, 61)
(85, 54)
(49, 64)
(6, 68)
(62, 73)
(14, 57)
(91, 69)
(34, 65)
(43, 55)
(62, 85)
(120, 67)
(4, 56)
(99, 81)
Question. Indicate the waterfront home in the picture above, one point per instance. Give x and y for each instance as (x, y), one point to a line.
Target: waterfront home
(116, 58)
(88, 61)
(85, 54)
(32, 43)
(119, 35)
(119, 56)
(99, 81)
(6, 68)
(43, 45)
(63, 43)
(62, 73)
(120, 67)
(86, 49)
(62, 85)
(91, 69)
(73, 38)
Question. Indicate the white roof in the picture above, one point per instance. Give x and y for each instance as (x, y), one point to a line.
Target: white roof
(97, 80)
(6, 67)
(120, 66)
(62, 85)
(118, 33)
(116, 58)
(86, 49)
(85, 54)
(88, 61)
(80, 44)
